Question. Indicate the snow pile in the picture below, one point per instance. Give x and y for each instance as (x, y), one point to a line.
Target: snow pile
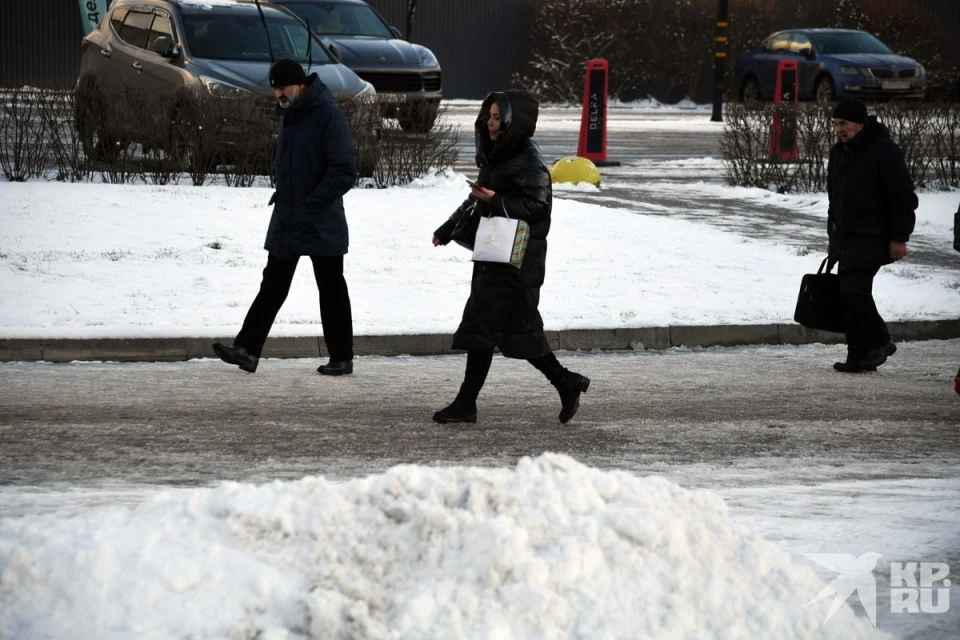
(550, 549)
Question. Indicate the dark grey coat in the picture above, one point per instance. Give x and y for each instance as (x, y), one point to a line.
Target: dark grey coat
(872, 199)
(314, 166)
(503, 308)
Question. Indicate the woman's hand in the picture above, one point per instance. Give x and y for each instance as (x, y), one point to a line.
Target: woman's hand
(482, 193)
(436, 241)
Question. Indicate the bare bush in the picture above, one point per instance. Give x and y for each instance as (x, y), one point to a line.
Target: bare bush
(24, 143)
(406, 156)
(928, 136)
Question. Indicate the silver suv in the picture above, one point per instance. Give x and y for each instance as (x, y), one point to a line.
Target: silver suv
(184, 55)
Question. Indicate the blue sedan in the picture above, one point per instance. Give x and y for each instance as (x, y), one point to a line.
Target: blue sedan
(832, 64)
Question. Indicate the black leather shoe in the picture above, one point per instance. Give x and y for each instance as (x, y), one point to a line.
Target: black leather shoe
(570, 389)
(336, 368)
(456, 412)
(237, 356)
(849, 367)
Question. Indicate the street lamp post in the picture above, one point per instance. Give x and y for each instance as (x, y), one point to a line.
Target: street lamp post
(411, 9)
(720, 59)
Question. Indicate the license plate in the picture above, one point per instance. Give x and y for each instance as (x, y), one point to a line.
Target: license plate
(896, 84)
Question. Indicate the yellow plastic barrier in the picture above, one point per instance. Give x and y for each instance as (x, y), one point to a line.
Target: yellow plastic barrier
(575, 169)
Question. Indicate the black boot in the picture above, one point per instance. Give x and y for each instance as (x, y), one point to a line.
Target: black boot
(456, 412)
(336, 368)
(876, 357)
(236, 355)
(570, 388)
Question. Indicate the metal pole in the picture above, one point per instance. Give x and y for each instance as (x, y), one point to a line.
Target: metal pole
(720, 59)
(411, 9)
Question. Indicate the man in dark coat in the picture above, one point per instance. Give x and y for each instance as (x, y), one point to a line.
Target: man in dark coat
(870, 219)
(503, 308)
(314, 165)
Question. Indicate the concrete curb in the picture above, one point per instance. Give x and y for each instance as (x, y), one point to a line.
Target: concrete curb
(174, 349)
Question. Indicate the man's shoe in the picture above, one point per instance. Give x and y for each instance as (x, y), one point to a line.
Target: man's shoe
(570, 388)
(456, 412)
(237, 356)
(336, 368)
(849, 367)
(876, 357)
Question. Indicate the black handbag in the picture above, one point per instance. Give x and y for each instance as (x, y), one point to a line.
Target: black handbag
(464, 231)
(820, 303)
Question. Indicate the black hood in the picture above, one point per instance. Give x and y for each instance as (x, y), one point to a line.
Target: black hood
(518, 122)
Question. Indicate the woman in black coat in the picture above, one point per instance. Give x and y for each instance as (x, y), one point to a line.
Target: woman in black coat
(502, 310)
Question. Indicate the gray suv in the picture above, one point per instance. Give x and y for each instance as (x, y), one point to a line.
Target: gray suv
(186, 55)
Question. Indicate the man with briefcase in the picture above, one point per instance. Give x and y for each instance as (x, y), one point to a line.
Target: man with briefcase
(869, 221)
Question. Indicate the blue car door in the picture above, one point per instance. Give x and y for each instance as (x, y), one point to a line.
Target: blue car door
(775, 48)
(803, 53)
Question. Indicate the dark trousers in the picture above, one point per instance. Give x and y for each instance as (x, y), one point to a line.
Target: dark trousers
(478, 365)
(335, 314)
(865, 328)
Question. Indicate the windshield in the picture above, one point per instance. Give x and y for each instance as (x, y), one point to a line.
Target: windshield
(834, 43)
(241, 37)
(332, 18)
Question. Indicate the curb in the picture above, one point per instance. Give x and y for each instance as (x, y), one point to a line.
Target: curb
(656, 338)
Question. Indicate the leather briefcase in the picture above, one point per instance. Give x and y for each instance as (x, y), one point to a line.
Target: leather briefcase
(820, 303)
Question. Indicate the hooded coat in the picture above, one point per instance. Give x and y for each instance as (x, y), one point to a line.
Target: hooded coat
(314, 165)
(872, 198)
(503, 307)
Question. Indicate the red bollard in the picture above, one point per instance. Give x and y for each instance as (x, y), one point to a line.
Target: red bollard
(593, 123)
(783, 129)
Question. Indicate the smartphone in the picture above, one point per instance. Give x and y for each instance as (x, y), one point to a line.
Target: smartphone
(474, 184)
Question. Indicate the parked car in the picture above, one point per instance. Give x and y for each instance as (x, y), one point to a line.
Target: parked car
(181, 53)
(832, 64)
(407, 76)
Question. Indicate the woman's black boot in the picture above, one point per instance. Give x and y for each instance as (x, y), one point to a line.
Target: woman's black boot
(570, 388)
(456, 412)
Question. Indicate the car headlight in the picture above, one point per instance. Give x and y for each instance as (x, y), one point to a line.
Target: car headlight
(921, 72)
(222, 89)
(849, 71)
(367, 91)
(427, 58)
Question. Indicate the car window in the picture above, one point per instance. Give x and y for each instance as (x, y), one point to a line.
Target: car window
(333, 18)
(777, 43)
(243, 38)
(798, 43)
(161, 27)
(116, 18)
(841, 42)
(136, 28)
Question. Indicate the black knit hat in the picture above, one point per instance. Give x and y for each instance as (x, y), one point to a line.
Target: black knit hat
(287, 72)
(851, 110)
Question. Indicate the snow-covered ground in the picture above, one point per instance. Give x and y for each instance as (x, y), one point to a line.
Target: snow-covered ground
(91, 260)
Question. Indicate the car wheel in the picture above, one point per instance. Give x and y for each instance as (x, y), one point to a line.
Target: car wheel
(824, 92)
(90, 122)
(750, 92)
(419, 116)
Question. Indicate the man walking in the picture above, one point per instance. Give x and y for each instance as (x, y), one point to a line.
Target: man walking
(314, 165)
(870, 219)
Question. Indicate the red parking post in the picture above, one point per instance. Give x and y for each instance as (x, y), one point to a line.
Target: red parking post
(783, 129)
(593, 122)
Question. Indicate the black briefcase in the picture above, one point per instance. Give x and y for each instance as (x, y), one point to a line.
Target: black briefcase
(820, 303)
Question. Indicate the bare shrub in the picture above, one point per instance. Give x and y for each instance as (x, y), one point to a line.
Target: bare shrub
(945, 145)
(405, 156)
(23, 134)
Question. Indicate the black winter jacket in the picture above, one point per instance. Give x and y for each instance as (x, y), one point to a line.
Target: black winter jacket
(503, 308)
(872, 199)
(314, 166)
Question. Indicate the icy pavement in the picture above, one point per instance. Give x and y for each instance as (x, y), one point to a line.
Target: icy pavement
(811, 460)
